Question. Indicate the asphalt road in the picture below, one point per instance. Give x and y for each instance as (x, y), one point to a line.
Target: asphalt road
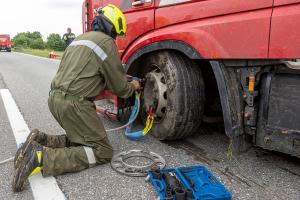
(256, 174)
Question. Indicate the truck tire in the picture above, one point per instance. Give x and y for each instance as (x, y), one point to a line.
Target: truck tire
(183, 97)
(8, 50)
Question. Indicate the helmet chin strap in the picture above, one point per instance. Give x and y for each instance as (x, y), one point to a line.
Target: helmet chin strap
(100, 23)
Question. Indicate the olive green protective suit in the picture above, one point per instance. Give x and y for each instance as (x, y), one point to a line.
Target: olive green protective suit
(89, 65)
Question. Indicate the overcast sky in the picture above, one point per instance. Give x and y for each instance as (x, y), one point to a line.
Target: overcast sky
(45, 16)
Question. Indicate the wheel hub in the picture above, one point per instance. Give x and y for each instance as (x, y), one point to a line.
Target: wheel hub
(155, 93)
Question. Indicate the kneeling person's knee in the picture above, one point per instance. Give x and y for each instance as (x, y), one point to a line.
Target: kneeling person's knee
(103, 155)
(103, 151)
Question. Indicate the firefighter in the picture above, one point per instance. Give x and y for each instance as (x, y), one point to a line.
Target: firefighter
(68, 37)
(89, 65)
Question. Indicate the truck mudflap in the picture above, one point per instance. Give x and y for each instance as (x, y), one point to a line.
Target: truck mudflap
(232, 105)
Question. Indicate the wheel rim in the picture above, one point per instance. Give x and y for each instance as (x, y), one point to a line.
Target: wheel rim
(155, 94)
(119, 163)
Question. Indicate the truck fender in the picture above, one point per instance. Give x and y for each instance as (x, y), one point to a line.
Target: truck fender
(183, 47)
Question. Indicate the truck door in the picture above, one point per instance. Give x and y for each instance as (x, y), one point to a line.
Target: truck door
(89, 8)
(285, 28)
(139, 16)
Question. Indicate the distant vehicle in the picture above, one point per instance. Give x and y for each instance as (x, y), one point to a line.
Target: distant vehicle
(5, 43)
(204, 59)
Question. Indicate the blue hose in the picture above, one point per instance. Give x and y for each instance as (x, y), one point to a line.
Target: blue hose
(135, 110)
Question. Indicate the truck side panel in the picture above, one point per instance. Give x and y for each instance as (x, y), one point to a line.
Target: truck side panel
(192, 10)
(219, 37)
(285, 27)
(278, 124)
(239, 29)
(285, 2)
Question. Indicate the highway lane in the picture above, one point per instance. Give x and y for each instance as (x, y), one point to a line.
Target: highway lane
(7, 149)
(256, 174)
(29, 79)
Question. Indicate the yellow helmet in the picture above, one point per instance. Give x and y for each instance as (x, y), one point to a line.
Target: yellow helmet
(116, 17)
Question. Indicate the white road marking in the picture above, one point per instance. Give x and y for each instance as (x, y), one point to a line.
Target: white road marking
(42, 188)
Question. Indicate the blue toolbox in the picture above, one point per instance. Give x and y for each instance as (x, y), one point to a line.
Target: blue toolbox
(187, 183)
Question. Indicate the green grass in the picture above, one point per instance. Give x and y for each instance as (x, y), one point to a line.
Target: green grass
(38, 52)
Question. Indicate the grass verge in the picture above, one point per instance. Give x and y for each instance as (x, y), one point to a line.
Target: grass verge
(38, 52)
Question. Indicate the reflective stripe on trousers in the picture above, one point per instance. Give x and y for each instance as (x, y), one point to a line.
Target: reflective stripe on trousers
(90, 155)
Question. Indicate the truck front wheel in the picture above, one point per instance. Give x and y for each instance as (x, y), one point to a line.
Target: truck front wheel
(174, 88)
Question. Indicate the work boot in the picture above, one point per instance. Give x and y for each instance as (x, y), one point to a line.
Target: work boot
(34, 135)
(31, 164)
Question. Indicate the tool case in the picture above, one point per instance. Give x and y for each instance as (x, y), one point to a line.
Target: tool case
(196, 183)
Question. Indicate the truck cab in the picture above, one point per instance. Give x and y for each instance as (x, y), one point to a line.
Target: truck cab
(5, 43)
(203, 59)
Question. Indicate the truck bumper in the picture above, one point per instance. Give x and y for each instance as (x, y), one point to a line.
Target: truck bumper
(4, 48)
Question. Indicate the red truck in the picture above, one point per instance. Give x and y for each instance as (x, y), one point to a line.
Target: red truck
(207, 58)
(5, 43)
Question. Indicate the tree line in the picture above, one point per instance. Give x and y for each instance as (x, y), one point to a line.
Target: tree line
(34, 40)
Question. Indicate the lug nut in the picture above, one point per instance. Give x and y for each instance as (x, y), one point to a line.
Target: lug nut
(247, 115)
(267, 140)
